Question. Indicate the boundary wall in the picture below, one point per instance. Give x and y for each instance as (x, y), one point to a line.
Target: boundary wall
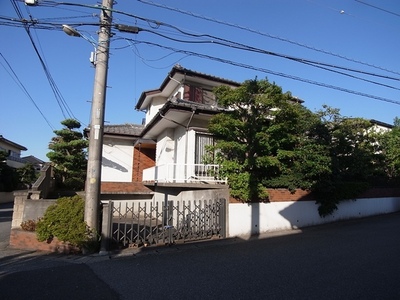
(246, 219)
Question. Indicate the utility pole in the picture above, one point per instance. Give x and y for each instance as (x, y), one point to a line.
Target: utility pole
(95, 150)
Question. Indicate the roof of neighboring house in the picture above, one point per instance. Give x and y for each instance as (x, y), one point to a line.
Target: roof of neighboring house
(382, 124)
(178, 69)
(32, 159)
(127, 130)
(11, 143)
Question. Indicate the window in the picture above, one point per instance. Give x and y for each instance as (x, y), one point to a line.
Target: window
(202, 141)
(199, 95)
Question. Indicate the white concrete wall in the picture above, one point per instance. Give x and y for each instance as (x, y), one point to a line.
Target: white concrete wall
(250, 219)
(117, 161)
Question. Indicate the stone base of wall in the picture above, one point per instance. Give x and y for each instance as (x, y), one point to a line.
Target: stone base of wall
(26, 240)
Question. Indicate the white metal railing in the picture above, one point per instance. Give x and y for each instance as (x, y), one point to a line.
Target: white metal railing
(184, 173)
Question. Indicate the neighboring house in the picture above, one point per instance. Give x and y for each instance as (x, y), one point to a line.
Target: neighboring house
(13, 150)
(34, 161)
(123, 161)
(380, 127)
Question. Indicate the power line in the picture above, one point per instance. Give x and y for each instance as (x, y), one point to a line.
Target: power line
(228, 43)
(264, 34)
(321, 65)
(268, 71)
(65, 110)
(232, 44)
(379, 8)
(22, 87)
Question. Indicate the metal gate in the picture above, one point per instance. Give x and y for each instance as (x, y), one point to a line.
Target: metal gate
(145, 223)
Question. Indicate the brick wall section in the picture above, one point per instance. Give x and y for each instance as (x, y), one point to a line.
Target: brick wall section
(284, 195)
(142, 159)
(124, 187)
(27, 240)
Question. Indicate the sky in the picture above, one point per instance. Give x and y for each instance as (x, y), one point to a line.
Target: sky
(342, 53)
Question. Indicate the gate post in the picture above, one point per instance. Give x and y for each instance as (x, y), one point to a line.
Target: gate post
(223, 217)
(106, 228)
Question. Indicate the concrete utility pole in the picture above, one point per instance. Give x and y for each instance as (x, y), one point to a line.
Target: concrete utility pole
(95, 150)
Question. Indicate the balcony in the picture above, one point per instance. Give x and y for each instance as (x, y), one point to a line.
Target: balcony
(181, 173)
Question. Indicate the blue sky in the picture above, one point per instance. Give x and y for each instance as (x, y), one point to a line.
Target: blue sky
(349, 35)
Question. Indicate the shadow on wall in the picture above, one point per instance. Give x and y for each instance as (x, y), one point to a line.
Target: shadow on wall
(111, 164)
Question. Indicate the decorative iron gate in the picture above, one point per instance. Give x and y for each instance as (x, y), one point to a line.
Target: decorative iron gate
(144, 223)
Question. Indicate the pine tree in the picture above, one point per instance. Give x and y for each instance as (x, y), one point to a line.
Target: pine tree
(68, 156)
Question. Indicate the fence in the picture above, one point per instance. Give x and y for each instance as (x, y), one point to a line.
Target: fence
(144, 223)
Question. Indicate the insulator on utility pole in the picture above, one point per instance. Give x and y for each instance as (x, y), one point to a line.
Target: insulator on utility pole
(127, 28)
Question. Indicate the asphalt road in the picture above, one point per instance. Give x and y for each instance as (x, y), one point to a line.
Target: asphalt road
(356, 259)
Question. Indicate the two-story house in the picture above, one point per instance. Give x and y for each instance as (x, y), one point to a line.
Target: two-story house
(13, 151)
(165, 153)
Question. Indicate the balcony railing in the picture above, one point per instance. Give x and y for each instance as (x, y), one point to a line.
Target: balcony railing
(181, 173)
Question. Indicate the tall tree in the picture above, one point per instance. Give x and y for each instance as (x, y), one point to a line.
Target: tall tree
(68, 155)
(257, 139)
(265, 139)
(355, 159)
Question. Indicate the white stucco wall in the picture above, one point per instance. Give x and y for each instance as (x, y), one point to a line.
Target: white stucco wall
(249, 219)
(117, 161)
(165, 151)
(154, 107)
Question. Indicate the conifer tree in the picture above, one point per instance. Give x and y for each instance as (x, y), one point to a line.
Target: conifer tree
(68, 156)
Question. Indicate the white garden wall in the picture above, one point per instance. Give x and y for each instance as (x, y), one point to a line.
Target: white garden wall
(255, 218)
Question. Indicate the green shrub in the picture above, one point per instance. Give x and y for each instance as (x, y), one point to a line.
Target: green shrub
(65, 220)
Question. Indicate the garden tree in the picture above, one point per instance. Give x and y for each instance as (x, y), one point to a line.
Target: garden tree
(27, 175)
(355, 159)
(68, 156)
(258, 139)
(265, 139)
(390, 147)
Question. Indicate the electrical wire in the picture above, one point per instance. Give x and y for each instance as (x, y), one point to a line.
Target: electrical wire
(16, 79)
(224, 42)
(63, 105)
(231, 44)
(376, 7)
(320, 65)
(268, 71)
(163, 6)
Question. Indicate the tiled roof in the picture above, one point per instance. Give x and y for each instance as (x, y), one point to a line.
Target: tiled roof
(187, 72)
(124, 129)
(32, 159)
(11, 143)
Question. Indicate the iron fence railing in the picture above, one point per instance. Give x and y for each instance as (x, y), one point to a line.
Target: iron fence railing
(144, 223)
(184, 173)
